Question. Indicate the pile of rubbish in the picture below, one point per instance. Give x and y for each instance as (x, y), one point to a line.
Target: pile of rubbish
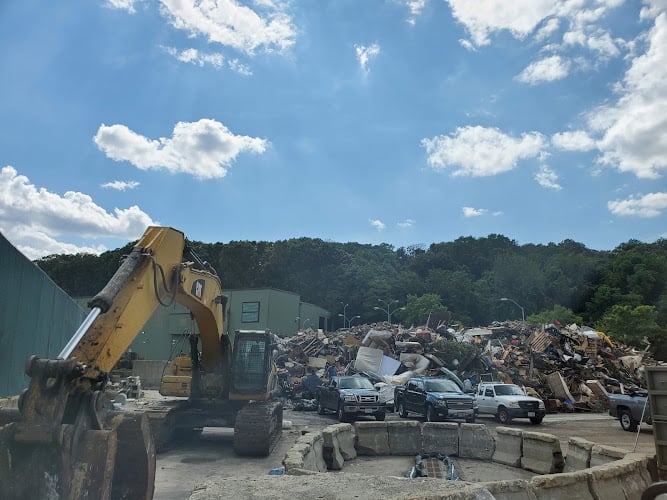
(572, 368)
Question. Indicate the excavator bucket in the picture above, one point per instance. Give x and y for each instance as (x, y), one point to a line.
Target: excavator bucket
(66, 452)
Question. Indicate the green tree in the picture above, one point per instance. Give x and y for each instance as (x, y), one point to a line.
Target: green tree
(420, 307)
(631, 325)
(559, 313)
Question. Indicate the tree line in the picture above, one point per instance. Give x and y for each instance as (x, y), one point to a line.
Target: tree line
(622, 292)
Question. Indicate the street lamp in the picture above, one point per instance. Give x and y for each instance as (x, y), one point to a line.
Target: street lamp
(523, 316)
(387, 308)
(304, 322)
(344, 316)
(349, 321)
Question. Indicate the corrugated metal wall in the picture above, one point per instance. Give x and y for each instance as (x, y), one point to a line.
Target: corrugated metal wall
(36, 317)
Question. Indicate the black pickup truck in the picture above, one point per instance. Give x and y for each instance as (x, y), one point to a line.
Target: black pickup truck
(350, 396)
(434, 398)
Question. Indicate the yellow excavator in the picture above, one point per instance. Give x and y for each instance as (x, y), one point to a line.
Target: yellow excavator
(67, 440)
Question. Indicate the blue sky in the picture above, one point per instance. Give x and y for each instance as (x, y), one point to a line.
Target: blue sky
(404, 122)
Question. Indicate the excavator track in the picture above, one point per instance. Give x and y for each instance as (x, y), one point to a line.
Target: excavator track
(258, 428)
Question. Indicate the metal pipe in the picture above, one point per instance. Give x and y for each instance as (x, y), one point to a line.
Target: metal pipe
(81, 331)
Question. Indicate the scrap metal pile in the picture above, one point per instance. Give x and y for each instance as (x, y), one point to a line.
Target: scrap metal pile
(571, 368)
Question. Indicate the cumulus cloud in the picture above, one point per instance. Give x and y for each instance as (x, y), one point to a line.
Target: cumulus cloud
(233, 25)
(365, 53)
(473, 212)
(634, 128)
(545, 70)
(647, 206)
(378, 224)
(34, 218)
(483, 18)
(478, 151)
(406, 223)
(204, 149)
(547, 178)
(578, 140)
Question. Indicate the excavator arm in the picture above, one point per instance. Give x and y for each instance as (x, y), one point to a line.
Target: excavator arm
(65, 441)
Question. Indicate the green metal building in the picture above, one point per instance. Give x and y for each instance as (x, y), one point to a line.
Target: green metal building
(36, 317)
(165, 334)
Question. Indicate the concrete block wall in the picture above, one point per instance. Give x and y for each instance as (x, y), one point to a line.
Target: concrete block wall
(150, 372)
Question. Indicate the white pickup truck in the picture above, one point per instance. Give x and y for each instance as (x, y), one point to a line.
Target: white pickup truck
(508, 401)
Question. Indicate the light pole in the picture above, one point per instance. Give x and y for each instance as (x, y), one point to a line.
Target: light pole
(387, 308)
(304, 322)
(349, 321)
(523, 316)
(344, 316)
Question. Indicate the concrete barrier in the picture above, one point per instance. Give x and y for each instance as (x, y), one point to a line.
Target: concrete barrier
(440, 437)
(404, 437)
(601, 454)
(578, 454)
(624, 479)
(338, 445)
(508, 446)
(475, 441)
(541, 453)
(371, 438)
(563, 486)
(514, 489)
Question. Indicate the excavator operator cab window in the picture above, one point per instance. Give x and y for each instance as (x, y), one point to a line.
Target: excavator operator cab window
(250, 365)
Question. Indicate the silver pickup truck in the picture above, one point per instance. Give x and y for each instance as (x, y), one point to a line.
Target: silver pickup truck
(628, 408)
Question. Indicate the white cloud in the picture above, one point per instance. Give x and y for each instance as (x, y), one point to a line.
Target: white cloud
(634, 128)
(480, 151)
(378, 224)
(406, 223)
(127, 5)
(650, 205)
(233, 25)
(204, 149)
(193, 56)
(239, 67)
(483, 18)
(120, 185)
(33, 218)
(547, 178)
(473, 212)
(577, 140)
(416, 7)
(366, 53)
(546, 70)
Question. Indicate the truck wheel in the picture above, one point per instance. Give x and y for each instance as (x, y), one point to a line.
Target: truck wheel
(342, 416)
(320, 408)
(401, 410)
(627, 422)
(430, 414)
(536, 420)
(380, 416)
(503, 416)
(470, 420)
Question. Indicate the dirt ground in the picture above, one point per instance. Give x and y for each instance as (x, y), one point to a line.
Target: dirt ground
(209, 465)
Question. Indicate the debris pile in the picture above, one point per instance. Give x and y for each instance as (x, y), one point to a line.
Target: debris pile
(571, 368)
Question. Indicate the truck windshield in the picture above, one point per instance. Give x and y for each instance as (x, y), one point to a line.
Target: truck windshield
(508, 390)
(441, 386)
(355, 383)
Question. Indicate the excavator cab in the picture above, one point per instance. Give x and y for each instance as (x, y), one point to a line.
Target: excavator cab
(253, 370)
